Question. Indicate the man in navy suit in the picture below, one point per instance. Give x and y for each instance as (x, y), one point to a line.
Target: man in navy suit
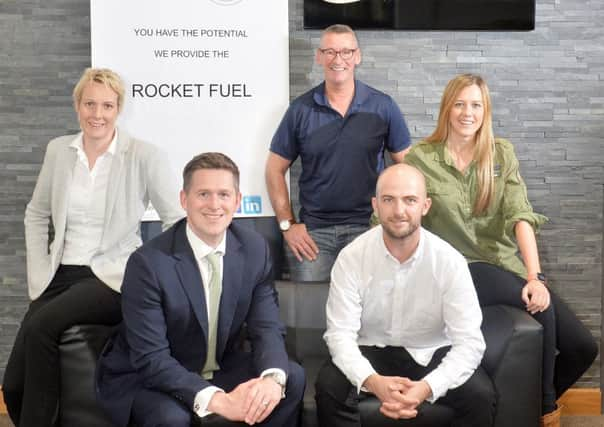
(177, 355)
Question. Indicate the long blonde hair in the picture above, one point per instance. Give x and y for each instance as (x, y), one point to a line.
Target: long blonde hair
(484, 140)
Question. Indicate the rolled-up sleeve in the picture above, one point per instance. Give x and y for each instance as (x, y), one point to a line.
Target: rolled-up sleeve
(516, 206)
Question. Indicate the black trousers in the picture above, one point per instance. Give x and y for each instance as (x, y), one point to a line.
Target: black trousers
(337, 399)
(152, 408)
(31, 384)
(569, 349)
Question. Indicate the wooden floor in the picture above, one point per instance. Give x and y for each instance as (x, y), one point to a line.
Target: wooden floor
(581, 401)
(576, 401)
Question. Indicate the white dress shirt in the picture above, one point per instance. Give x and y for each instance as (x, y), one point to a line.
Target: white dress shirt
(86, 207)
(200, 250)
(422, 304)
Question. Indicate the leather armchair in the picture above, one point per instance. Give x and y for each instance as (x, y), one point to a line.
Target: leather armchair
(80, 347)
(512, 359)
(79, 350)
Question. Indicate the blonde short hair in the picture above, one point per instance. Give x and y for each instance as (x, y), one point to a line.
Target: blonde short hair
(100, 75)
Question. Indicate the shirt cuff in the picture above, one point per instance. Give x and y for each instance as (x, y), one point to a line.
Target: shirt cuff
(362, 376)
(275, 371)
(438, 385)
(202, 400)
(534, 219)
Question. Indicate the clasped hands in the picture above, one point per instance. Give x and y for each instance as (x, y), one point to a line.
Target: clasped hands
(400, 396)
(251, 402)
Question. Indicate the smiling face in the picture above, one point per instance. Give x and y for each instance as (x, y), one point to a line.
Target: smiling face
(401, 202)
(97, 113)
(336, 70)
(466, 114)
(210, 200)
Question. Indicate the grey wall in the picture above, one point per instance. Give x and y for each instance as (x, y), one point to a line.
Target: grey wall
(546, 86)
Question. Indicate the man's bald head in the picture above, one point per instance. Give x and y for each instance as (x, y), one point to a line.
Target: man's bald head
(400, 203)
(401, 172)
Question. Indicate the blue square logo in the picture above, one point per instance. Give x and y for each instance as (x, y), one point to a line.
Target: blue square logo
(251, 205)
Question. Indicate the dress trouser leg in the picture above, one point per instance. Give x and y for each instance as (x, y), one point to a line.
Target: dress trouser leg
(577, 348)
(337, 399)
(152, 408)
(31, 382)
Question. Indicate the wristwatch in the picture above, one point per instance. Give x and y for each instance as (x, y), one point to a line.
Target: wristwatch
(285, 224)
(540, 277)
(279, 379)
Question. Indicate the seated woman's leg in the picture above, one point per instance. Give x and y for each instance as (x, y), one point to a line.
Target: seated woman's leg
(577, 348)
(85, 300)
(495, 285)
(14, 376)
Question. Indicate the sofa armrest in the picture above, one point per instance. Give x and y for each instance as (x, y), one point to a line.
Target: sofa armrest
(79, 349)
(513, 359)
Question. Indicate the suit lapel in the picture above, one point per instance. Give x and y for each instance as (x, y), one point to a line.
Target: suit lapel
(115, 177)
(60, 194)
(232, 279)
(189, 275)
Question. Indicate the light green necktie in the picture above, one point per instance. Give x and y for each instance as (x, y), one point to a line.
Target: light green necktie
(213, 303)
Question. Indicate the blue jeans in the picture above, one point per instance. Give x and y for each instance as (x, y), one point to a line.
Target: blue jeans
(330, 241)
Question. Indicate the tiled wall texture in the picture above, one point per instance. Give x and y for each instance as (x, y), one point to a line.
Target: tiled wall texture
(548, 100)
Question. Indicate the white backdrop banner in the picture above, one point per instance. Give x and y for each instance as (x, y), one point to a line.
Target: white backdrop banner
(200, 75)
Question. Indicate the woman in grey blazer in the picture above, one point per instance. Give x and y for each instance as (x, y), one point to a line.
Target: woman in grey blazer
(93, 189)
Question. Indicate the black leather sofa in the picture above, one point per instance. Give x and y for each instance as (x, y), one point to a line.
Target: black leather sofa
(512, 359)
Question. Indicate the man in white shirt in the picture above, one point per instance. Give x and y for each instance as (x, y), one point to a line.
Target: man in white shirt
(403, 320)
(185, 299)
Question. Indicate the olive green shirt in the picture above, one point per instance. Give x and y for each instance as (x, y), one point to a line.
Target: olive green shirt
(486, 238)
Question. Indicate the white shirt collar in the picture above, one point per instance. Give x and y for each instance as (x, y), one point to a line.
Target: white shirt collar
(201, 248)
(411, 260)
(78, 143)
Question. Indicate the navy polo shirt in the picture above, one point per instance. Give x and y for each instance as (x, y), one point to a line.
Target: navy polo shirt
(341, 156)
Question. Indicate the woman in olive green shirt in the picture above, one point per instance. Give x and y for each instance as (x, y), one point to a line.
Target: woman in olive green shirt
(480, 206)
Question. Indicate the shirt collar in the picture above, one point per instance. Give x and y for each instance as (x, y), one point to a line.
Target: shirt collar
(78, 143)
(361, 93)
(201, 248)
(411, 260)
(442, 154)
(445, 156)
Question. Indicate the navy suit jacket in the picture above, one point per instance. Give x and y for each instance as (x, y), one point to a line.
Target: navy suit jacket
(162, 342)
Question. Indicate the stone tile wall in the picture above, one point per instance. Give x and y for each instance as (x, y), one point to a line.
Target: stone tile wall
(548, 99)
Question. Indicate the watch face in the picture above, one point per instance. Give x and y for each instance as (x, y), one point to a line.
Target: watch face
(284, 225)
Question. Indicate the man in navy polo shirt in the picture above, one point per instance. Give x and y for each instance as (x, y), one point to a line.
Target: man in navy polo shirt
(340, 130)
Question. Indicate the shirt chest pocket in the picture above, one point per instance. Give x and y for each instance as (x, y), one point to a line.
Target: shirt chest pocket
(424, 311)
(377, 302)
(448, 199)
